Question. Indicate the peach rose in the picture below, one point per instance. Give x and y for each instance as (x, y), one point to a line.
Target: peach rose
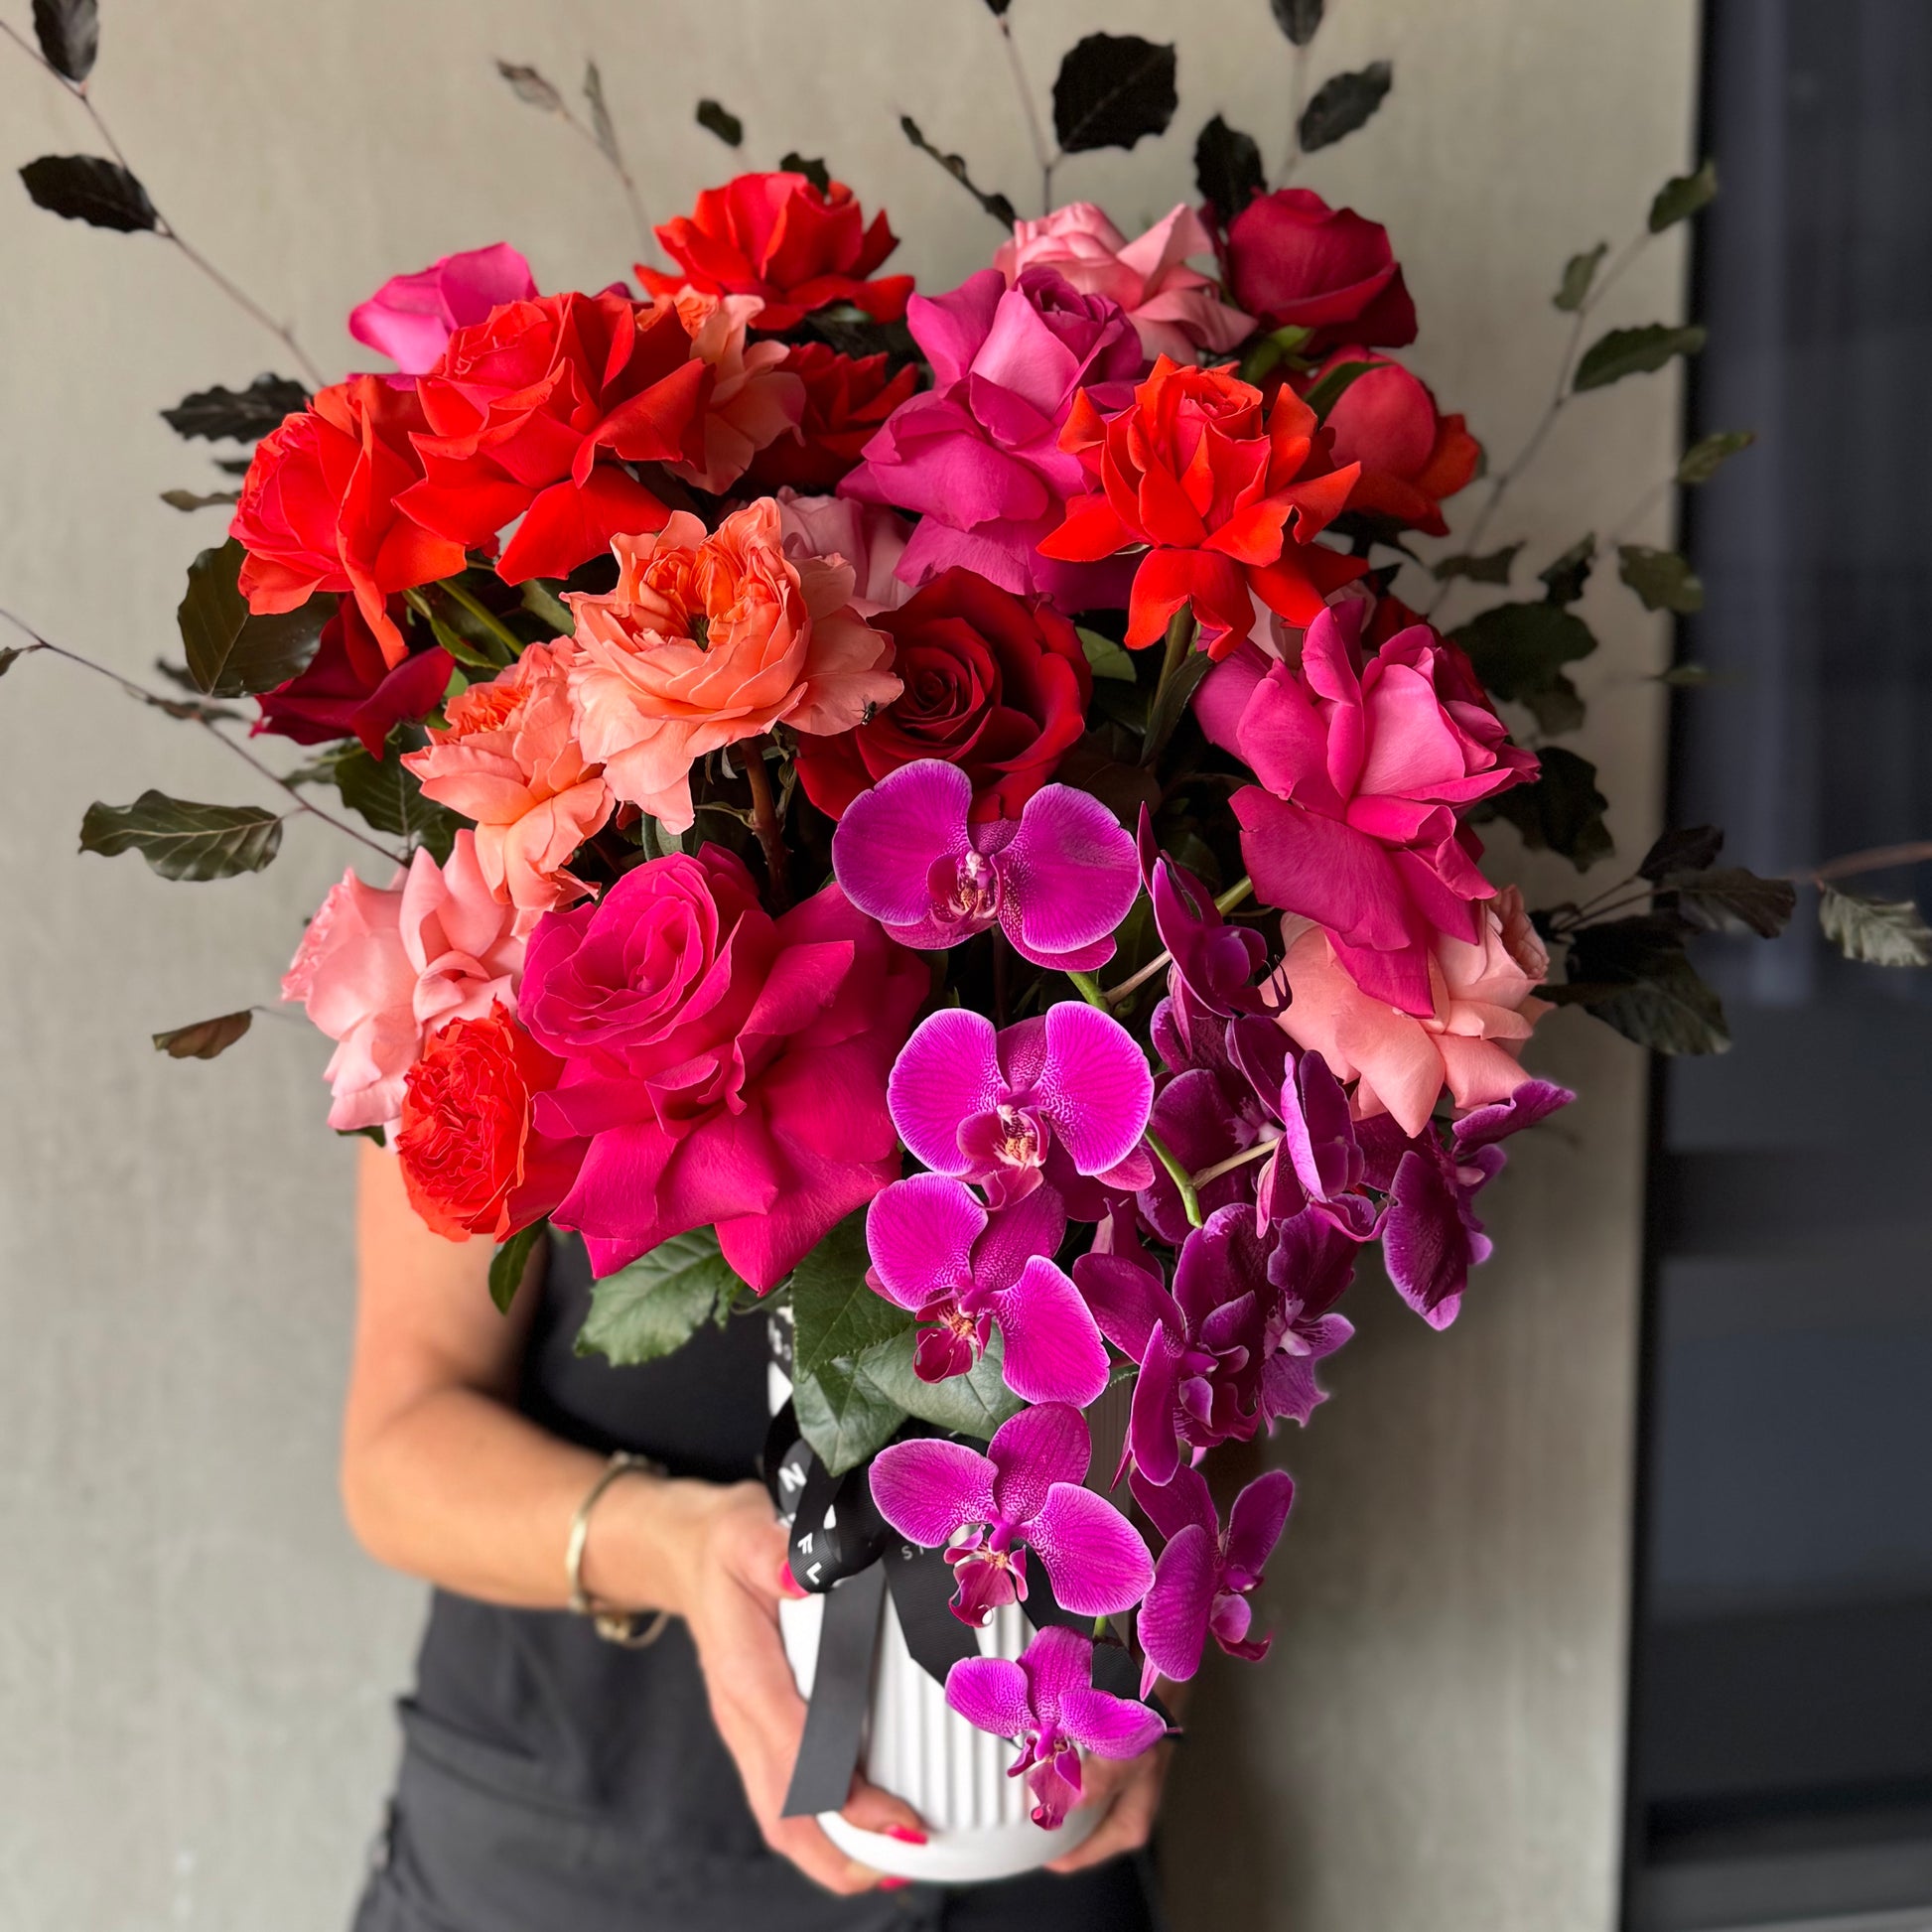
(1176, 310)
(713, 638)
(753, 399)
(868, 536)
(508, 758)
(1485, 1009)
(380, 969)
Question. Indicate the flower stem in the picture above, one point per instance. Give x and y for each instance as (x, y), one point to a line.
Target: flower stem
(1090, 990)
(765, 822)
(1178, 1176)
(1045, 160)
(1259, 1150)
(490, 622)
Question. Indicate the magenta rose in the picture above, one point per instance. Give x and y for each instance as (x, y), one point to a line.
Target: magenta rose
(411, 318)
(1293, 261)
(727, 1067)
(979, 455)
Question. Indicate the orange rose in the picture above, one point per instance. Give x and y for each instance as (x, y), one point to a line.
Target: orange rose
(713, 638)
(755, 398)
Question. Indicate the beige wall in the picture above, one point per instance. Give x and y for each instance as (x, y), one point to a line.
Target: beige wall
(195, 1662)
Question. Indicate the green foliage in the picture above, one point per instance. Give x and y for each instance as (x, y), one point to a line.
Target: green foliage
(1519, 649)
(1634, 351)
(236, 415)
(718, 119)
(1682, 197)
(1705, 458)
(1579, 272)
(68, 32)
(1342, 104)
(1878, 931)
(1297, 19)
(1564, 579)
(1728, 898)
(1688, 847)
(391, 797)
(1562, 812)
(1660, 579)
(975, 1404)
(231, 653)
(530, 88)
(1105, 658)
(1634, 975)
(653, 1307)
(842, 1328)
(1227, 168)
(203, 1040)
(183, 840)
(1113, 90)
(814, 170)
(511, 1262)
(1492, 567)
(10, 655)
(87, 188)
(1322, 397)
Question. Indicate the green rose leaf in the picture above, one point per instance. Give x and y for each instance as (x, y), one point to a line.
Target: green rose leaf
(1682, 197)
(231, 653)
(1634, 351)
(1562, 812)
(1660, 579)
(974, 1403)
(843, 1415)
(1521, 649)
(183, 840)
(1105, 658)
(652, 1308)
(1578, 274)
(1706, 456)
(391, 797)
(1878, 931)
(510, 1262)
(837, 1311)
(1492, 567)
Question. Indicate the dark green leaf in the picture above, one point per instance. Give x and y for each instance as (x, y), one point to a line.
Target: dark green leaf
(972, 1405)
(232, 654)
(1272, 351)
(1557, 708)
(1730, 900)
(1102, 764)
(241, 415)
(203, 1040)
(814, 170)
(837, 1311)
(1297, 19)
(1322, 397)
(529, 86)
(1490, 568)
(996, 206)
(1105, 658)
(1634, 351)
(1563, 580)
(718, 119)
(1686, 677)
(1342, 104)
(87, 188)
(512, 1262)
(998, 7)
(547, 606)
(1689, 848)
(1170, 703)
(1227, 168)
(183, 840)
(189, 500)
(375, 1134)
(844, 1416)
(9, 654)
(1706, 456)
(601, 123)
(391, 797)
(1520, 648)
(1682, 196)
(1578, 274)
(68, 32)
(1661, 578)
(1562, 812)
(1668, 1008)
(1878, 931)
(651, 1308)
(1112, 89)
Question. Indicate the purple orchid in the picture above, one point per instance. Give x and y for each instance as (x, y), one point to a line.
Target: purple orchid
(1431, 1237)
(1060, 1100)
(1058, 880)
(1046, 1705)
(1203, 1578)
(1026, 1490)
(937, 1251)
(1213, 963)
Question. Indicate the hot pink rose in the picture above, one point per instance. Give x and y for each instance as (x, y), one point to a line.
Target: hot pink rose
(508, 758)
(382, 969)
(1362, 772)
(753, 398)
(727, 1067)
(1177, 310)
(411, 318)
(1484, 1010)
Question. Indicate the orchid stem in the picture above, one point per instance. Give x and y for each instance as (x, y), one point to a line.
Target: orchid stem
(1178, 1176)
(765, 822)
(1090, 990)
(1259, 1150)
(490, 621)
(1226, 902)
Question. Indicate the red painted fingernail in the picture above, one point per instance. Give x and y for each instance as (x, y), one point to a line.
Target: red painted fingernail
(789, 1585)
(905, 1834)
(894, 1884)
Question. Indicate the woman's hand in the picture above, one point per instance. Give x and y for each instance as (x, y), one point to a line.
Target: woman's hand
(1130, 1789)
(732, 1561)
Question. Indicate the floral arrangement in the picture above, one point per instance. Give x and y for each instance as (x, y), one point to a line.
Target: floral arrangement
(928, 804)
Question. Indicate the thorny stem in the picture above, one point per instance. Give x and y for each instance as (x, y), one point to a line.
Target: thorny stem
(1178, 1176)
(765, 822)
(1226, 902)
(1035, 133)
(166, 228)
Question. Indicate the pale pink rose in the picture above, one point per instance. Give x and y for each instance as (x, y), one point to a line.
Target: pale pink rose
(754, 399)
(380, 969)
(710, 638)
(1176, 310)
(411, 318)
(1485, 1009)
(508, 758)
(868, 536)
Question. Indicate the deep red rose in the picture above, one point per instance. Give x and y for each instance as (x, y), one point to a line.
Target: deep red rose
(319, 508)
(472, 1161)
(1412, 458)
(777, 237)
(528, 411)
(350, 690)
(994, 684)
(1228, 499)
(845, 400)
(1294, 260)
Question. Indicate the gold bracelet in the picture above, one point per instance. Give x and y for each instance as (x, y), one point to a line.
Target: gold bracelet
(612, 1624)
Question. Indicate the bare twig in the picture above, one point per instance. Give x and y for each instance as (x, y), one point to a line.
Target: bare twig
(765, 822)
(1047, 161)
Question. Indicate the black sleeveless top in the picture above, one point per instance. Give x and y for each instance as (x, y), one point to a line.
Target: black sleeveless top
(553, 1782)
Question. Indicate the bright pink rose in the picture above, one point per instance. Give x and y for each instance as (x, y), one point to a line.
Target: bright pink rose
(979, 454)
(382, 969)
(1177, 310)
(1362, 772)
(411, 318)
(753, 399)
(1484, 1010)
(840, 529)
(727, 1067)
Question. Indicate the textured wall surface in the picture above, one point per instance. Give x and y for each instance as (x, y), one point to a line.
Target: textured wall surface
(195, 1661)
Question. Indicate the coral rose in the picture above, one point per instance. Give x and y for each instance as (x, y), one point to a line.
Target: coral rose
(1483, 1008)
(1411, 457)
(994, 685)
(319, 508)
(1177, 310)
(348, 689)
(382, 969)
(710, 638)
(472, 1161)
(847, 398)
(755, 397)
(727, 1067)
(1226, 498)
(778, 237)
(508, 758)
(1294, 261)
(411, 318)
(528, 413)
(869, 538)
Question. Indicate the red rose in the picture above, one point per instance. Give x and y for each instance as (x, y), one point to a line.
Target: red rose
(845, 400)
(1411, 457)
(1228, 500)
(318, 510)
(994, 684)
(472, 1161)
(526, 412)
(1294, 260)
(777, 237)
(350, 690)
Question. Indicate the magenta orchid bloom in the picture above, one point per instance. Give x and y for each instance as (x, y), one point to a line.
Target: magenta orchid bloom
(1058, 880)
(1055, 1099)
(937, 1251)
(1214, 963)
(1203, 1578)
(1026, 1490)
(1048, 1706)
